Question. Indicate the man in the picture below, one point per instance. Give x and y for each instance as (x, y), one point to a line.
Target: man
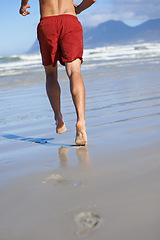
(60, 37)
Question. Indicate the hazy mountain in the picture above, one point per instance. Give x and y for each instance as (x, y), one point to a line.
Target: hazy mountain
(116, 32)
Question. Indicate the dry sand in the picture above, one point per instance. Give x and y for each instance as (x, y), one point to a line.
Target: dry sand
(50, 189)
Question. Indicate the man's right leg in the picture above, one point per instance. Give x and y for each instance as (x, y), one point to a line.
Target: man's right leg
(53, 92)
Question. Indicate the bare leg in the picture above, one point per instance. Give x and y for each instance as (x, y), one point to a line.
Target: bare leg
(53, 92)
(77, 88)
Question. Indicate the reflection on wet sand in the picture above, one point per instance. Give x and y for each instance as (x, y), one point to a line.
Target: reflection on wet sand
(82, 154)
(63, 155)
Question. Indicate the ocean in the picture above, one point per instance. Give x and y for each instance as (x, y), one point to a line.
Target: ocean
(47, 183)
(13, 69)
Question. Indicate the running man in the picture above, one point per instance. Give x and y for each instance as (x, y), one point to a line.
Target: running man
(60, 37)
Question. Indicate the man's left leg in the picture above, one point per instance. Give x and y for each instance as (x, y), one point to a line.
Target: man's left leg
(77, 89)
(54, 92)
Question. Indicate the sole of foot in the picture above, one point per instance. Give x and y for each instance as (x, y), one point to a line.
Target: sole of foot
(81, 136)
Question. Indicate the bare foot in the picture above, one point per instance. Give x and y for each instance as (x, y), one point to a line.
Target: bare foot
(81, 136)
(60, 127)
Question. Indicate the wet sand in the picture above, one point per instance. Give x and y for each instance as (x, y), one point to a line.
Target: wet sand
(51, 189)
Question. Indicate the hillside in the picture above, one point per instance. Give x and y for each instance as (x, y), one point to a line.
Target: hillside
(117, 33)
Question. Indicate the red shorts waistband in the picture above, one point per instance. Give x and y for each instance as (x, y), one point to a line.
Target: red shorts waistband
(59, 15)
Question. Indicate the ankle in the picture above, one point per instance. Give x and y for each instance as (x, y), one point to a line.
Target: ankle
(81, 123)
(58, 117)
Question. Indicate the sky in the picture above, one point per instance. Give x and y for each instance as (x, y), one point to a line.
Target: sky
(18, 33)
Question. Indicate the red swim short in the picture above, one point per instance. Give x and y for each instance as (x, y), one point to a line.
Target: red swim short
(60, 38)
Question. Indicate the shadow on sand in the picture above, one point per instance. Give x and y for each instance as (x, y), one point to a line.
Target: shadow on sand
(43, 141)
(81, 151)
(32, 140)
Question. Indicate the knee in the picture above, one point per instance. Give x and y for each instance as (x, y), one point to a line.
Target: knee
(75, 76)
(73, 68)
(50, 76)
(50, 79)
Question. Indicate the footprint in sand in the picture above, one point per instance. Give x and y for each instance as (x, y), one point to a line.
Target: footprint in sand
(57, 179)
(87, 222)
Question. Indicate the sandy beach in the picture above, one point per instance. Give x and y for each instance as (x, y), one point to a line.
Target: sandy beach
(50, 189)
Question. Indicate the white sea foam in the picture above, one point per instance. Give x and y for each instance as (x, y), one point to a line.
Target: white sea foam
(30, 57)
(123, 52)
(102, 56)
(17, 64)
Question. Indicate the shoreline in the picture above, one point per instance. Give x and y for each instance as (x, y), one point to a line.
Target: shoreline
(107, 190)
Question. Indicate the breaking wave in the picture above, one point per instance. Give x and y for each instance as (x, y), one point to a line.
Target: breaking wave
(102, 56)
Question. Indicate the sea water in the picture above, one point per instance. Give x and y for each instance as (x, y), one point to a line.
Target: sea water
(95, 60)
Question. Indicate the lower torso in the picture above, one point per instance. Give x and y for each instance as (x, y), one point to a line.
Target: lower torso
(56, 7)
